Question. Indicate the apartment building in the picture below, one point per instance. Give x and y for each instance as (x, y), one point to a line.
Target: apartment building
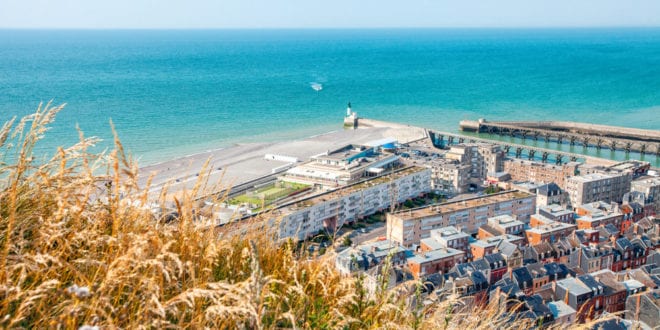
(436, 261)
(505, 244)
(410, 226)
(341, 167)
(557, 213)
(595, 187)
(650, 187)
(331, 210)
(596, 214)
(538, 172)
(549, 231)
(501, 225)
(483, 158)
(450, 176)
(447, 237)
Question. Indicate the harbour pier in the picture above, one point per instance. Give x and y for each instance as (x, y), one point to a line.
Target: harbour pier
(444, 139)
(588, 135)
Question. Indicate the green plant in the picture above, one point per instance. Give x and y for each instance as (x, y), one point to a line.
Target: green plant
(347, 241)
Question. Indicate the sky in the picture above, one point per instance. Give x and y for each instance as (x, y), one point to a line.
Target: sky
(206, 14)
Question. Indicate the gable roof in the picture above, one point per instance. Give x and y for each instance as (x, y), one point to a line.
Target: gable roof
(556, 269)
(543, 248)
(522, 275)
(623, 244)
(495, 260)
(591, 282)
(536, 270)
(508, 287)
(481, 265)
(573, 286)
(506, 248)
(560, 308)
(550, 189)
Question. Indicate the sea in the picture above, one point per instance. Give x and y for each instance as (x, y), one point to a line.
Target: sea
(171, 93)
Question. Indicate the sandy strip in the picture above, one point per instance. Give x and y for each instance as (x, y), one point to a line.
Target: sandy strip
(245, 162)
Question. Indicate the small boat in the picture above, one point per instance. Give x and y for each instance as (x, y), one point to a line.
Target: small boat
(316, 86)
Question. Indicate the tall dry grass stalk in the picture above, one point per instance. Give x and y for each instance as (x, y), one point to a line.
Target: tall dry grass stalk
(76, 252)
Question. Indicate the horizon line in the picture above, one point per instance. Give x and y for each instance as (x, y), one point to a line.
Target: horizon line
(521, 27)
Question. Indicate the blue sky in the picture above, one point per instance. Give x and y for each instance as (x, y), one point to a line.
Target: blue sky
(104, 14)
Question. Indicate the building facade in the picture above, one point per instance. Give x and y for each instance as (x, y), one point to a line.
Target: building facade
(410, 226)
(329, 211)
(538, 172)
(650, 187)
(589, 188)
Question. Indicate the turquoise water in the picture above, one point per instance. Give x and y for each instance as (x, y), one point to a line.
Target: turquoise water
(172, 93)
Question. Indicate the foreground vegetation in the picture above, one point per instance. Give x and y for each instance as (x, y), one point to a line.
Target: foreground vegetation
(80, 247)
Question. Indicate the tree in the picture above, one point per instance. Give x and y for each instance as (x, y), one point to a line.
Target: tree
(347, 241)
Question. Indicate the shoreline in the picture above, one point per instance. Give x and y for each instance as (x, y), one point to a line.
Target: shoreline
(242, 162)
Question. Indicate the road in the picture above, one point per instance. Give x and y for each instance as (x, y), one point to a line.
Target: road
(372, 233)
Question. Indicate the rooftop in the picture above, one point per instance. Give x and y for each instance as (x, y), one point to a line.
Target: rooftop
(593, 177)
(434, 255)
(379, 249)
(504, 221)
(345, 153)
(574, 286)
(340, 164)
(345, 191)
(629, 165)
(554, 226)
(560, 308)
(549, 189)
(493, 241)
(381, 142)
(533, 163)
(610, 283)
(448, 233)
(600, 207)
(646, 182)
(442, 208)
(633, 285)
(555, 210)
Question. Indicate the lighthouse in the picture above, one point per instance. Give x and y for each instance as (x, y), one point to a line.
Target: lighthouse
(351, 119)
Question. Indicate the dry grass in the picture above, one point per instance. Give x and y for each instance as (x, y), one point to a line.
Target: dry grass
(76, 253)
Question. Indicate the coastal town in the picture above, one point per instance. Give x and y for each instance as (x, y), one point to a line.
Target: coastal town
(407, 165)
(550, 241)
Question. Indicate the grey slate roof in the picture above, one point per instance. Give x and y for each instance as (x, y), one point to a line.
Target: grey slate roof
(550, 189)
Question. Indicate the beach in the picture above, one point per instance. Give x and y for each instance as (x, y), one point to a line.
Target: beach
(242, 163)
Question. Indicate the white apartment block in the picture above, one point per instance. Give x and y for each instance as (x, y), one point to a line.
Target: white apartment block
(331, 210)
(594, 187)
(410, 226)
(483, 158)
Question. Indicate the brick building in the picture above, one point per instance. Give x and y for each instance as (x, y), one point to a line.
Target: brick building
(527, 170)
(436, 261)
